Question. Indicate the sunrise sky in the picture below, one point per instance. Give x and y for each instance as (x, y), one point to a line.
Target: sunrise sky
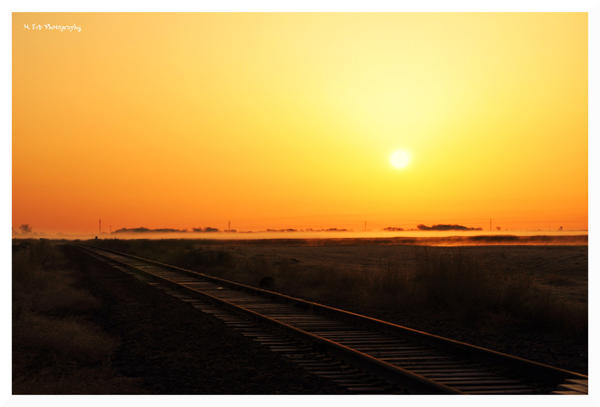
(290, 120)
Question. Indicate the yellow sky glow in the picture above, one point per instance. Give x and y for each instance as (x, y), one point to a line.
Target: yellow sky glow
(289, 120)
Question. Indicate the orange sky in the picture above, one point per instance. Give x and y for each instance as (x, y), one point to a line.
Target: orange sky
(288, 120)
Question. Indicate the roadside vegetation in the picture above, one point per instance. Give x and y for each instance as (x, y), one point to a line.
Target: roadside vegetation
(57, 349)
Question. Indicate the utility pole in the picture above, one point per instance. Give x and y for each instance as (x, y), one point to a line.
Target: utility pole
(228, 226)
(99, 226)
(365, 228)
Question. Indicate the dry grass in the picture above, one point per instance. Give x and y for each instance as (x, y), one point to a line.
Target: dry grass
(452, 283)
(43, 284)
(56, 349)
(62, 338)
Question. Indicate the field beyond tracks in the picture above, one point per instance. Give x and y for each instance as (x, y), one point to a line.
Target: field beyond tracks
(530, 301)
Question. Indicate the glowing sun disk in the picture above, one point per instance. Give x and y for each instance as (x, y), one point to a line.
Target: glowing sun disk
(400, 159)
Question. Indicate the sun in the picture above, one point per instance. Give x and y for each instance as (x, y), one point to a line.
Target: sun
(400, 159)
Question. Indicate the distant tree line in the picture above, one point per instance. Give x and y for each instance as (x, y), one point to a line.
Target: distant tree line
(146, 230)
(445, 227)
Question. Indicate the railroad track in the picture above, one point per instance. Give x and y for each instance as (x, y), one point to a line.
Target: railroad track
(359, 353)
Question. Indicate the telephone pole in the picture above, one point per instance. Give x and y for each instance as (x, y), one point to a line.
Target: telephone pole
(99, 226)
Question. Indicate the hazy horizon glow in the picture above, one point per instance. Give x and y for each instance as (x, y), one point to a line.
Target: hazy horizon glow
(273, 120)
